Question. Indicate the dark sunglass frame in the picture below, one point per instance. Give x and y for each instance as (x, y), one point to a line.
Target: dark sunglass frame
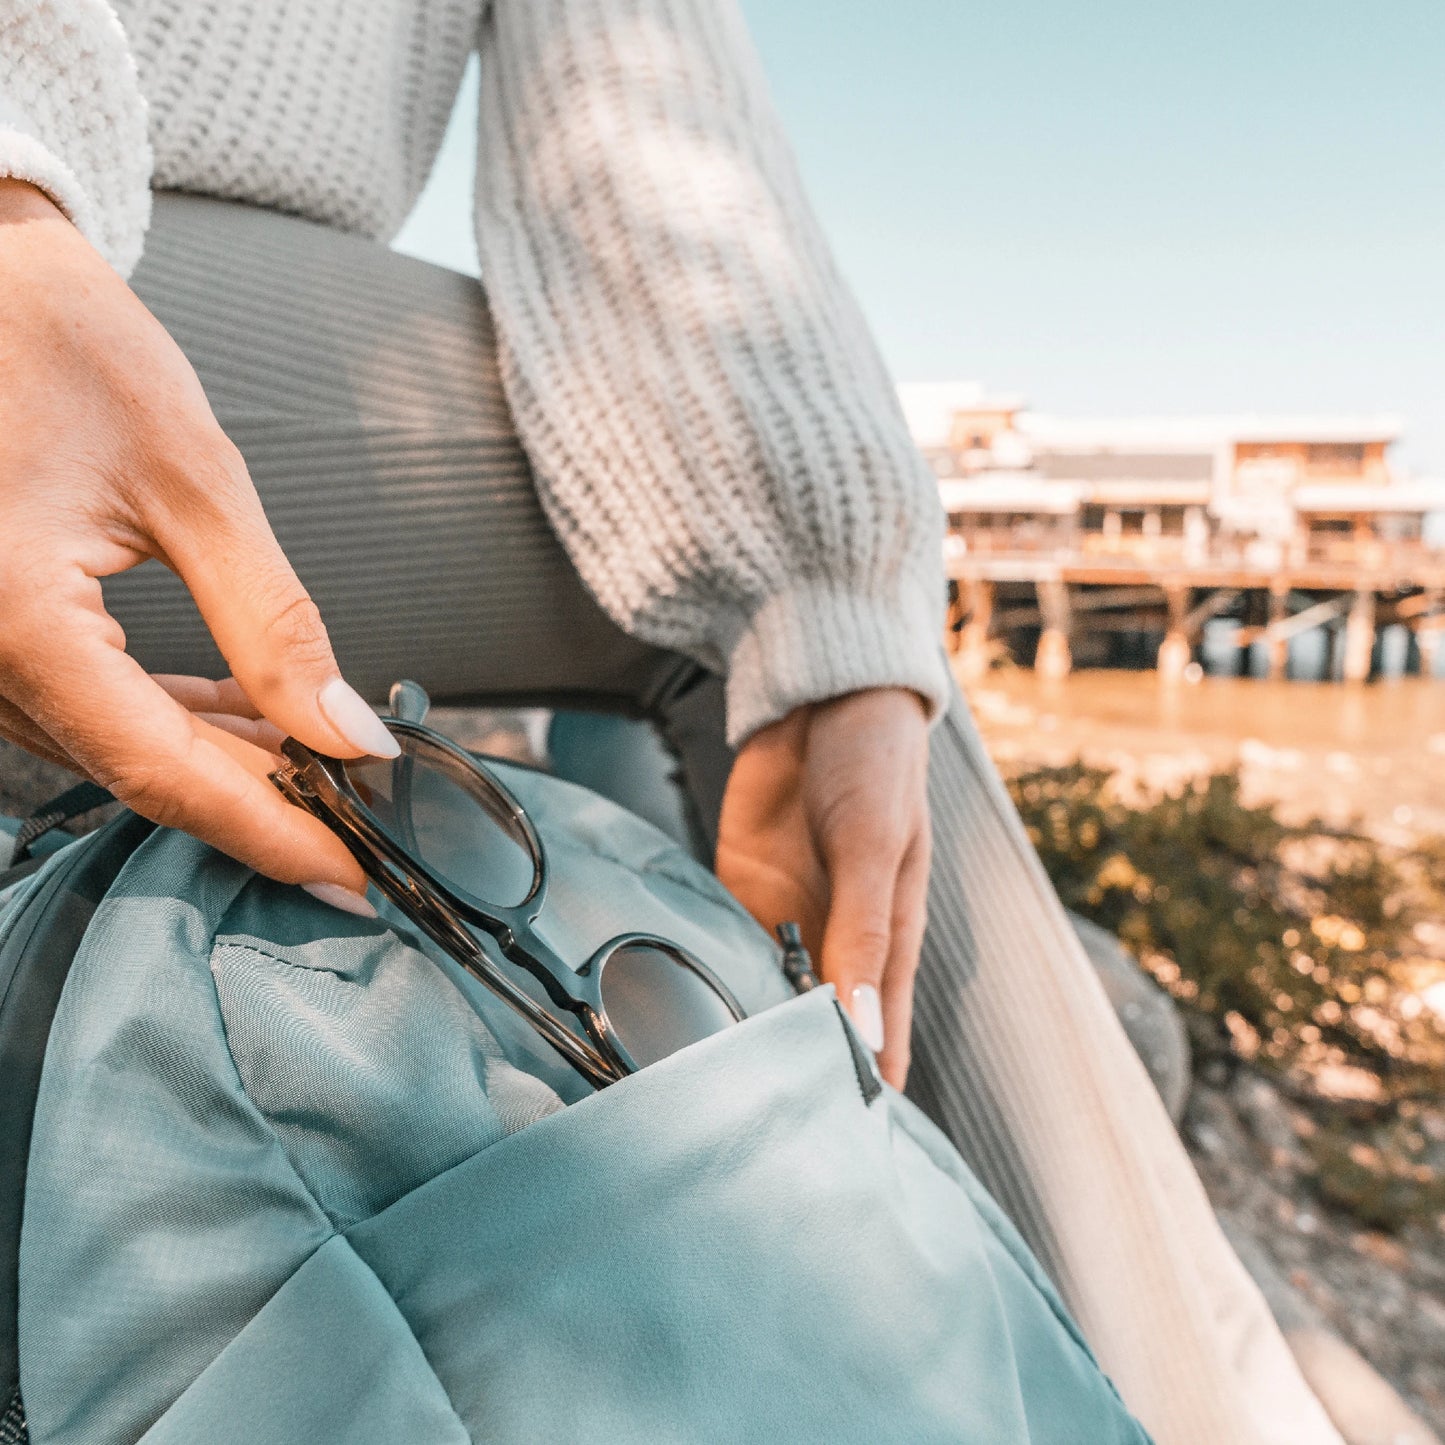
(319, 784)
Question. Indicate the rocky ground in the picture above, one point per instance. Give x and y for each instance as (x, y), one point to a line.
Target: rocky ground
(1383, 1293)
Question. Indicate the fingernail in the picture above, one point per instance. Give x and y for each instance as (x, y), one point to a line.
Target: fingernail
(867, 1015)
(342, 898)
(346, 710)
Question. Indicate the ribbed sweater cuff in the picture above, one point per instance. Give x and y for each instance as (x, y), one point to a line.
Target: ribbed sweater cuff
(819, 639)
(73, 119)
(23, 157)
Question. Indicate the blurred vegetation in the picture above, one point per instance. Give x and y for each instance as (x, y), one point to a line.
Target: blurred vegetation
(1302, 949)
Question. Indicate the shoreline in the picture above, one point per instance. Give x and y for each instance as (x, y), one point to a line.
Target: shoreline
(1370, 756)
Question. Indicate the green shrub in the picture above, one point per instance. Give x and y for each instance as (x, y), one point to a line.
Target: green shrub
(1291, 947)
(1296, 940)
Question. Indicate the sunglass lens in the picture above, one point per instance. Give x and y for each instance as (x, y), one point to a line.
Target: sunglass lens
(657, 1004)
(446, 815)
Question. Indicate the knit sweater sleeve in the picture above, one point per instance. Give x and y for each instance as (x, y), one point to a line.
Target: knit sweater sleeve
(72, 119)
(715, 436)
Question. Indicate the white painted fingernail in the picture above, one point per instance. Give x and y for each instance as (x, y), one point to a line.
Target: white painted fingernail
(346, 710)
(342, 898)
(867, 1015)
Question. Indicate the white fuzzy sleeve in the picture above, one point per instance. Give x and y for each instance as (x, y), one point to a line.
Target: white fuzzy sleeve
(73, 121)
(715, 437)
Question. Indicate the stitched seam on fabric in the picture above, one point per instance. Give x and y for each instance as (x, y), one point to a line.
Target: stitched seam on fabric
(280, 1140)
(260, 1113)
(230, 940)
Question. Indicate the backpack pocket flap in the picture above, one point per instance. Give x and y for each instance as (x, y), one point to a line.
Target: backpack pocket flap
(730, 1245)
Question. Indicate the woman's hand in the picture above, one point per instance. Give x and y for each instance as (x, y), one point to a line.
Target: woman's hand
(109, 455)
(825, 821)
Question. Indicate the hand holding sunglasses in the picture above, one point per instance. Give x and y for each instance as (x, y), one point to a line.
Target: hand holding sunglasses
(441, 836)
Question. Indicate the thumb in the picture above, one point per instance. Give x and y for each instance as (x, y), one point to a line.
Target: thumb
(267, 627)
(856, 940)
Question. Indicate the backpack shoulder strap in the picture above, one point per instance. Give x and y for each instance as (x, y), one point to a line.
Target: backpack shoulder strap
(35, 959)
(73, 803)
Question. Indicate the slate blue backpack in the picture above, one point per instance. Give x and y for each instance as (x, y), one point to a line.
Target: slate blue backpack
(269, 1172)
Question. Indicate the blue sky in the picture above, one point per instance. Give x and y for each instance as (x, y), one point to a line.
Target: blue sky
(1118, 206)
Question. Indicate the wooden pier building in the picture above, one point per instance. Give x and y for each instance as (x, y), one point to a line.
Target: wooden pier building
(1065, 533)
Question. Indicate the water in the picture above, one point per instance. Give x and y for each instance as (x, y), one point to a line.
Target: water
(1373, 752)
(1312, 655)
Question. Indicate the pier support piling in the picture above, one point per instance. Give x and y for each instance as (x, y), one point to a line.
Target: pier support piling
(1359, 641)
(973, 641)
(1427, 620)
(1276, 641)
(1054, 657)
(1175, 651)
(1428, 637)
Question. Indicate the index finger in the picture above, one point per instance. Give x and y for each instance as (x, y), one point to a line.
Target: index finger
(172, 767)
(863, 865)
(202, 694)
(910, 912)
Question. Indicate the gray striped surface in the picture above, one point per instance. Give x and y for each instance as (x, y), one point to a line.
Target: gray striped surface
(362, 389)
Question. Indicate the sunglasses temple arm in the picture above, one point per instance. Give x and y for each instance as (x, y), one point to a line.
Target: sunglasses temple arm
(583, 1057)
(461, 946)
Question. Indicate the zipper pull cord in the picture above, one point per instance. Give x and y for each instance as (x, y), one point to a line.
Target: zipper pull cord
(797, 965)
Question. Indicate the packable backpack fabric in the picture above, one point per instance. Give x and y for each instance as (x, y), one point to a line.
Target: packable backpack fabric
(293, 1176)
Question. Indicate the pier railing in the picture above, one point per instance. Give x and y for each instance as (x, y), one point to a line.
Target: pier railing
(1365, 556)
(1066, 583)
